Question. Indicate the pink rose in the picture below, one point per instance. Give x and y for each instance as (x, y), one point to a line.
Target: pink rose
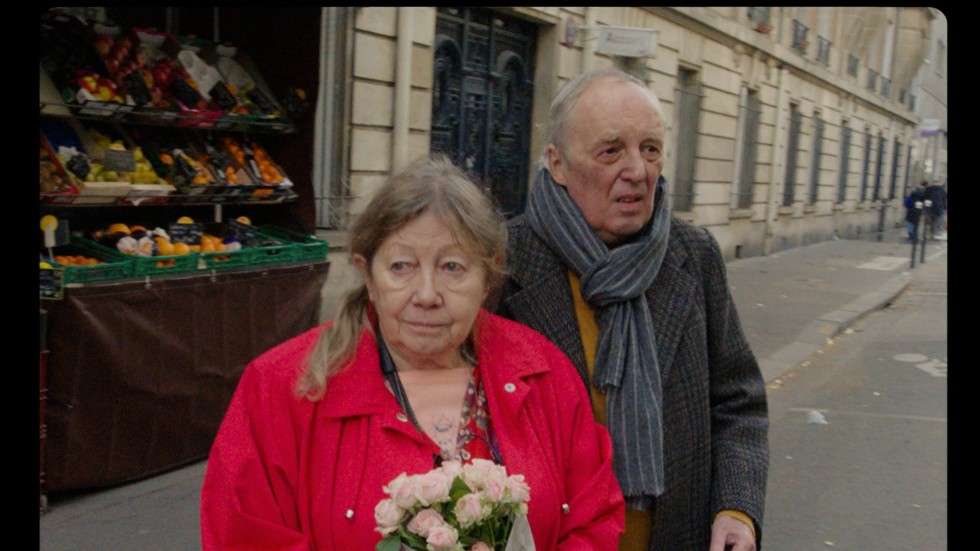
(402, 491)
(477, 472)
(495, 488)
(480, 546)
(423, 523)
(388, 515)
(442, 538)
(451, 469)
(431, 487)
(469, 510)
(518, 489)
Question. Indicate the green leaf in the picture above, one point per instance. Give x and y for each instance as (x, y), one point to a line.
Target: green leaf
(391, 543)
(458, 490)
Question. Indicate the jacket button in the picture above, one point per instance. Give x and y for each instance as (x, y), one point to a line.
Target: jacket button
(509, 387)
(349, 513)
(401, 417)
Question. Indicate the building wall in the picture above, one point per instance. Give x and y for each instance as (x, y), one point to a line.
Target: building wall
(729, 55)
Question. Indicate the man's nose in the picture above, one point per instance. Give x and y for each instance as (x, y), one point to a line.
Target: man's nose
(634, 168)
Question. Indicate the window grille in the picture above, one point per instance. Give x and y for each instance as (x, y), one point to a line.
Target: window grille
(792, 152)
(879, 167)
(816, 157)
(688, 115)
(845, 163)
(752, 114)
(800, 43)
(823, 50)
(867, 166)
(872, 79)
(852, 65)
(896, 158)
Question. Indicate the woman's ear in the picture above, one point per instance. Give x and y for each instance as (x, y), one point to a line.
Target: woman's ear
(364, 267)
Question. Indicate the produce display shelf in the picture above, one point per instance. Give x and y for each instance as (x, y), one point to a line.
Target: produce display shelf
(280, 245)
(114, 265)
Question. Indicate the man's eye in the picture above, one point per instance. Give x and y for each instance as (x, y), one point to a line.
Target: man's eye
(651, 151)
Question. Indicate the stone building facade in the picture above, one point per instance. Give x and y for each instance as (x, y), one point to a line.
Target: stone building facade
(785, 125)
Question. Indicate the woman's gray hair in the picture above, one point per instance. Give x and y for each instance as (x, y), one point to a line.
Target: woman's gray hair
(556, 132)
(430, 184)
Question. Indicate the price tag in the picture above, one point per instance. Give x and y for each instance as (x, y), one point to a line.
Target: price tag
(119, 161)
(52, 285)
(244, 233)
(186, 233)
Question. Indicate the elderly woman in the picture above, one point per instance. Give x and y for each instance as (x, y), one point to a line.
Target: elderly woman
(411, 373)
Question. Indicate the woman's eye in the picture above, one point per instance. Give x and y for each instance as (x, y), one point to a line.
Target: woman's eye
(399, 267)
(453, 267)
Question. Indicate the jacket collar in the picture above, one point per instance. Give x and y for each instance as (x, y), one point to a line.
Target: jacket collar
(359, 388)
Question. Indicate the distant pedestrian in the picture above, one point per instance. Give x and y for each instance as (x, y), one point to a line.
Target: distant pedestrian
(936, 211)
(913, 212)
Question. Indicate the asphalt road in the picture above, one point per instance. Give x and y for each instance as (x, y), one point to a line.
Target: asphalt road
(859, 433)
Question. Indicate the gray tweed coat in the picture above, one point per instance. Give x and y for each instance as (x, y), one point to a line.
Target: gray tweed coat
(716, 421)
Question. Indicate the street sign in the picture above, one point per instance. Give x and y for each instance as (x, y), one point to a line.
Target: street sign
(627, 41)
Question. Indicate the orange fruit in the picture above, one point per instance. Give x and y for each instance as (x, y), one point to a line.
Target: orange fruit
(243, 220)
(181, 248)
(164, 247)
(119, 228)
(185, 220)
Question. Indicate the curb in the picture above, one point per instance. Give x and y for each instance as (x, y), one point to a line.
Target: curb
(825, 328)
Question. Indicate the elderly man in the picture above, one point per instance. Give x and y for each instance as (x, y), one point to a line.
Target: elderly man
(639, 301)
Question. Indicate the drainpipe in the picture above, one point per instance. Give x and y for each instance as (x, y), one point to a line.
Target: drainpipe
(776, 166)
(589, 44)
(403, 90)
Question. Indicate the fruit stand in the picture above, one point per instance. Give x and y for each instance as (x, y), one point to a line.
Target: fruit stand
(156, 285)
(140, 372)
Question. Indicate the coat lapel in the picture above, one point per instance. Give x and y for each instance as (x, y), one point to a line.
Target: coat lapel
(671, 299)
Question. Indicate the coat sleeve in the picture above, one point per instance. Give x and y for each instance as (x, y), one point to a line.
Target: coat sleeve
(248, 498)
(596, 515)
(739, 410)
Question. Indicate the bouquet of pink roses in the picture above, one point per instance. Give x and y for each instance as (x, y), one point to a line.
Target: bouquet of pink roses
(455, 507)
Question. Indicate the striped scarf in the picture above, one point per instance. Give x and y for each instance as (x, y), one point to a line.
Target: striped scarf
(614, 283)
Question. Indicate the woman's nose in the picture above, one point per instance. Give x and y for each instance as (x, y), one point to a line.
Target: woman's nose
(427, 293)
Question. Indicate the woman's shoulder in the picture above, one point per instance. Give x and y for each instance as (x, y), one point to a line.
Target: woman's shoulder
(522, 348)
(281, 363)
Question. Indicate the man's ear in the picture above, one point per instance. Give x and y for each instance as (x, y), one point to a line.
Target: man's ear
(556, 165)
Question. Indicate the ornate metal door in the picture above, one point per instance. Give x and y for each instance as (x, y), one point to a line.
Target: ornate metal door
(481, 99)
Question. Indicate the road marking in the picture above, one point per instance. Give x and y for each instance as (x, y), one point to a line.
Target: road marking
(885, 263)
(910, 358)
(869, 414)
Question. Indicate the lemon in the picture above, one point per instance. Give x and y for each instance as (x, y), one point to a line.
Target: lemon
(46, 266)
(185, 220)
(243, 220)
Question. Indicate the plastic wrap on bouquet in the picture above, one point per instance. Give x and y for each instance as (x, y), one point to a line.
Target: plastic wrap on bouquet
(520, 538)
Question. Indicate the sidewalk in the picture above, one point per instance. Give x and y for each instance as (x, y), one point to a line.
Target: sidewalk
(790, 304)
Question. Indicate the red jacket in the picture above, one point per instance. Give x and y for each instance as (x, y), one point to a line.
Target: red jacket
(289, 473)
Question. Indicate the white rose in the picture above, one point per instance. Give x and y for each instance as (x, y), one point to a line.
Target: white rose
(431, 487)
(402, 491)
(388, 515)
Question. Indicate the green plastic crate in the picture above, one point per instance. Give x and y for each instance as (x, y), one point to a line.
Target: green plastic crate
(165, 265)
(225, 260)
(287, 246)
(115, 265)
